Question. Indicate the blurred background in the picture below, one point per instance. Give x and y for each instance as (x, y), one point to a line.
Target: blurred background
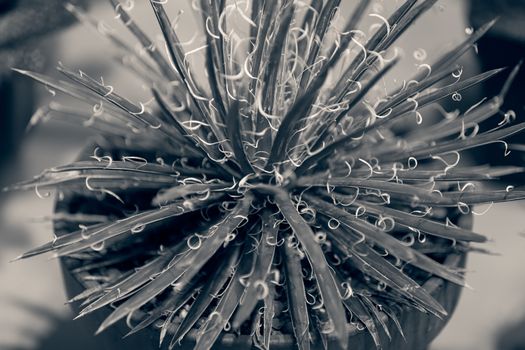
(36, 34)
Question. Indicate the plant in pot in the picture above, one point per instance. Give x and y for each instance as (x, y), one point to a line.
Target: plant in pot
(276, 203)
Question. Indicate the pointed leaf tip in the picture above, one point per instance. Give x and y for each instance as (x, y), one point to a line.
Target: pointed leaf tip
(508, 82)
(21, 71)
(20, 257)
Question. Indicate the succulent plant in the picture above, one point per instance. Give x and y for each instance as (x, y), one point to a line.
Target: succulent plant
(277, 194)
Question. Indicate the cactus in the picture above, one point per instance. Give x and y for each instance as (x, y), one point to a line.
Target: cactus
(307, 209)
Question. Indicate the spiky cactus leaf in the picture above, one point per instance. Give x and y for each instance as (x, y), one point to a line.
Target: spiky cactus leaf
(134, 224)
(356, 308)
(391, 244)
(378, 317)
(379, 268)
(206, 296)
(296, 296)
(142, 276)
(145, 41)
(268, 316)
(228, 302)
(323, 274)
(181, 272)
(169, 305)
(424, 224)
(257, 284)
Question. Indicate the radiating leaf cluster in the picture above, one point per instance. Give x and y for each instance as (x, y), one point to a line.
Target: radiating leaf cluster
(275, 193)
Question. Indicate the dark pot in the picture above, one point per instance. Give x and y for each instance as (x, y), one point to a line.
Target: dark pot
(419, 328)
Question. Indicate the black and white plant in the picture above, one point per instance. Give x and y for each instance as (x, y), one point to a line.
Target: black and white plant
(312, 209)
